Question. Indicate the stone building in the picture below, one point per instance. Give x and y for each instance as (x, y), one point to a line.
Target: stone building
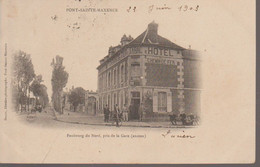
(151, 70)
(91, 99)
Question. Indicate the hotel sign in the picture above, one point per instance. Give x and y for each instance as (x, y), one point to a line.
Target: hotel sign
(146, 50)
(152, 50)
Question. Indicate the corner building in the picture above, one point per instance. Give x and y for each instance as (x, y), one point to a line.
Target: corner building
(151, 70)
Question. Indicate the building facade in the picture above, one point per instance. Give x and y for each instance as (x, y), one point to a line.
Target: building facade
(91, 99)
(151, 70)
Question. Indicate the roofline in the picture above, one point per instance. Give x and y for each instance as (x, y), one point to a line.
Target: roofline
(129, 45)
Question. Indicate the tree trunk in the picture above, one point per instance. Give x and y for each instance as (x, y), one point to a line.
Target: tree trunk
(26, 94)
(56, 102)
(19, 97)
(28, 99)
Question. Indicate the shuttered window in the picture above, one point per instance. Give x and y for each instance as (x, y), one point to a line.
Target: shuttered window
(162, 102)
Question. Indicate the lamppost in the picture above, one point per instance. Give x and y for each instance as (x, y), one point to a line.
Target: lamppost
(142, 88)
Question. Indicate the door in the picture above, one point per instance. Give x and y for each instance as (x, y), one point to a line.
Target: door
(135, 102)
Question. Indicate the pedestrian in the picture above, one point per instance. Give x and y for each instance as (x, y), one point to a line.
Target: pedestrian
(183, 118)
(130, 113)
(117, 114)
(125, 113)
(141, 111)
(106, 113)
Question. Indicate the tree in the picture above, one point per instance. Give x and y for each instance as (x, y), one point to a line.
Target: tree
(59, 81)
(76, 97)
(36, 86)
(23, 74)
(39, 91)
(44, 98)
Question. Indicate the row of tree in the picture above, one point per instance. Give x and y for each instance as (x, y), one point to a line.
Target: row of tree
(58, 81)
(24, 81)
(76, 97)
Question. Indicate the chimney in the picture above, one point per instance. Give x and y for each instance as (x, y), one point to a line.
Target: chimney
(153, 32)
(125, 40)
(153, 28)
(110, 51)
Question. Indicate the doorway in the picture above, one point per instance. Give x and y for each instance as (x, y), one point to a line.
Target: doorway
(135, 103)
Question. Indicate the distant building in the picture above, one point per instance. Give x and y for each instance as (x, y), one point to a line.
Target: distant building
(153, 70)
(91, 98)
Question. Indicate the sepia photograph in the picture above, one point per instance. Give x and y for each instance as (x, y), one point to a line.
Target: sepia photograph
(139, 82)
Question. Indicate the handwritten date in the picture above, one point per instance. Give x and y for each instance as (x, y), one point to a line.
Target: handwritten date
(185, 8)
(182, 8)
(131, 9)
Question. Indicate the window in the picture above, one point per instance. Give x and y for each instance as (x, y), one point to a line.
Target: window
(125, 73)
(104, 102)
(136, 81)
(109, 102)
(104, 81)
(122, 100)
(122, 73)
(115, 100)
(100, 104)
(135, 69)
(114, 76)
(118, 77)
(162, 102)
(99, 83)
(136, 95)
(109, 79)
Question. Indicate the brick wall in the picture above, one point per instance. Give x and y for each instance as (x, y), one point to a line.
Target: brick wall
(161, 75)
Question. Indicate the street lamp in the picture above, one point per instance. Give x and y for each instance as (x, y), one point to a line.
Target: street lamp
(142, 88)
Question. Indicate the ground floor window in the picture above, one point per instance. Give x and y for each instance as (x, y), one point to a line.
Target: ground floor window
(162, 102)
(121, 100)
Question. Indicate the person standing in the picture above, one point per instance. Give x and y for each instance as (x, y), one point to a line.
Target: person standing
(141, 111)
(183, 119)
(117, 114)
(106, 113)
(125, 113)
(130, 113)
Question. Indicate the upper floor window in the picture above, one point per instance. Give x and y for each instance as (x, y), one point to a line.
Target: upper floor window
(135, 69)
(122, 73)
(104, 81)
(114, 76)
(109, 79)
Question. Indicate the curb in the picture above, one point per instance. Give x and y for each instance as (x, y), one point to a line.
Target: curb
(139, 126)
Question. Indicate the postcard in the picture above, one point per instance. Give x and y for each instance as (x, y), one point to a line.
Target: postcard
(136, 82)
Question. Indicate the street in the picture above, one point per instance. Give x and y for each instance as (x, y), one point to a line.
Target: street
(38, 135)
(82, 121)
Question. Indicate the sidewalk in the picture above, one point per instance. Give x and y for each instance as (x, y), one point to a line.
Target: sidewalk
(83, 118)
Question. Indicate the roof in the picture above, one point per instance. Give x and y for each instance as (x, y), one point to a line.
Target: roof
(149, 38)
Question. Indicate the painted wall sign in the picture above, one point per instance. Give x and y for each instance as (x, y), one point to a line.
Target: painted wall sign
(161, 61)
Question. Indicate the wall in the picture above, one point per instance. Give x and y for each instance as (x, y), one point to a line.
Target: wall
(192, 101)
(192, 77)
(161, 75)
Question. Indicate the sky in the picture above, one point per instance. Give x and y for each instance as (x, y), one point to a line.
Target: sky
(44, 29)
